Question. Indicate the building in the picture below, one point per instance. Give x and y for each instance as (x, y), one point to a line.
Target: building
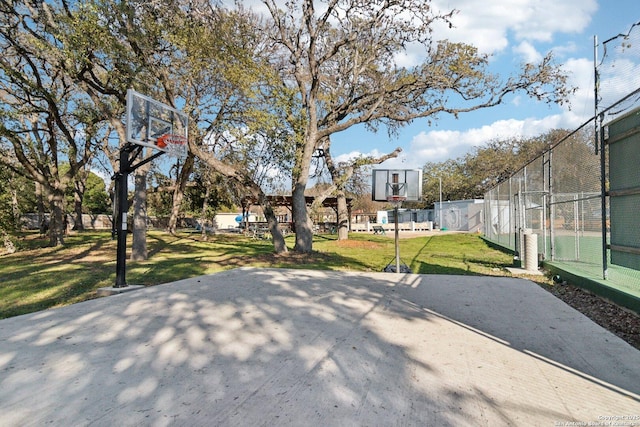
(460, 215)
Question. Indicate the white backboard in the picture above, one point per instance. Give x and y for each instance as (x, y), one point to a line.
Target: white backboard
(148, 119)
(399, 182)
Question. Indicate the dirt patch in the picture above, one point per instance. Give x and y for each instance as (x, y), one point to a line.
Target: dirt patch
(286, 258)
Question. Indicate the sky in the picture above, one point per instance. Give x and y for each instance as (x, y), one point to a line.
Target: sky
(512, 32)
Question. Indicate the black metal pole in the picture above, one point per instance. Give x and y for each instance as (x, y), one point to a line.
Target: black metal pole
(121, 219)
(603, 194)
(397, 239)
(128, 154)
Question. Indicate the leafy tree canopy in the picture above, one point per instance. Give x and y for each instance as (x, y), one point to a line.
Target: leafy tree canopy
(472, 175)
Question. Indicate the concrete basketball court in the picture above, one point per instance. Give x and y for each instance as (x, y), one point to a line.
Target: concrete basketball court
(297, 347)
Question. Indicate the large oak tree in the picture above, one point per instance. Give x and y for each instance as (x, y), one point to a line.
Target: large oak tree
(339, 57)
(43, 119)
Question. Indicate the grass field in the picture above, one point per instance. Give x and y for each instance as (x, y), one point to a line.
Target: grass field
(40, 277)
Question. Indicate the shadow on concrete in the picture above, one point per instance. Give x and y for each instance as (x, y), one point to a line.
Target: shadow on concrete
(299, 347)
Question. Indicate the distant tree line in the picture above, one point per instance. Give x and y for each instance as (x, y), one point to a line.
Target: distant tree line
(486, 166)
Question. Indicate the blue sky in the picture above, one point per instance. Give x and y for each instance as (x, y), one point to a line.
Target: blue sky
(512, 31)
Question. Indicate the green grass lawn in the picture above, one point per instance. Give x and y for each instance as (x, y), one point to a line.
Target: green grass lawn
(40, 277)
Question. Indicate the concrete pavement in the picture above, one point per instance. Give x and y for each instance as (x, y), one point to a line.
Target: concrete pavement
(298, 347)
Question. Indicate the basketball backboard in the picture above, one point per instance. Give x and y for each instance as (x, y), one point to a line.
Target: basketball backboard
(403, 183)
(148, 119)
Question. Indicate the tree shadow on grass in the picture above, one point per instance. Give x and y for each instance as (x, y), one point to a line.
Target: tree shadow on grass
(420, 267)
(427, 260)
(198, 257)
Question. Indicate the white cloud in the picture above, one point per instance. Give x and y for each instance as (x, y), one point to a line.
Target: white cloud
(440, 145)
(488, 25)
(581, 76)
(412, 56)
(528, 52)
(346, 157)
(517, 100)
(568, 48)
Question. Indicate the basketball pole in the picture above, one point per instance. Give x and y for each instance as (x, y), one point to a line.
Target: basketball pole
(128, 154)
(121, 217)
(397, 238)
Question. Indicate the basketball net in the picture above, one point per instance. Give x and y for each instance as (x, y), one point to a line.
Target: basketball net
(396, 200)
(174, 145)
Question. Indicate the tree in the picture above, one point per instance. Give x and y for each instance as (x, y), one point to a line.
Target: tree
(88, 195)
(17, 192)
(43, 118)
(341, 175)
(96, 199)
(340, 62)
(79, 187)
(86, 54)
(107, 47)
(139, 242)
(117, 46)
(208, 193)
(446, 175)
(243, 178)
(9, 207)
(486, 166)
(234, 128)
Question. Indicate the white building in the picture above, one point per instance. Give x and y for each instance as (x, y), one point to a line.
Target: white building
(460, 215)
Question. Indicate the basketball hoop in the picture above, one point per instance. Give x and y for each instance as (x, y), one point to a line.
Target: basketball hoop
(396, 200)
(174, 145)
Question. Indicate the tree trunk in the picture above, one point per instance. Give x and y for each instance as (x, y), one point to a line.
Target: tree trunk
(139, 244)
(15, 209)
(343, 216)
(279, 245)
(203, 216)
(40, 204)
(303, 225)
(302, 222)
(56, 225)
(9, 246)
(178, 191)
(78, 196)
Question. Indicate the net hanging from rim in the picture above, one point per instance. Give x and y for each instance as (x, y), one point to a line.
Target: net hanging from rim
(396, 199)
(174, 145)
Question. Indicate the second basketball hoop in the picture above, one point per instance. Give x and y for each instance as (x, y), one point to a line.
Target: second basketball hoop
(396, 200)
(396, 186)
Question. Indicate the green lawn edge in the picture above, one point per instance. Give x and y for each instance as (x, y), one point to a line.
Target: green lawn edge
(39, 277)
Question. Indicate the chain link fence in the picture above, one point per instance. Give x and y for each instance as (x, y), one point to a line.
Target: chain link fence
(556, 196)
(564, 196)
